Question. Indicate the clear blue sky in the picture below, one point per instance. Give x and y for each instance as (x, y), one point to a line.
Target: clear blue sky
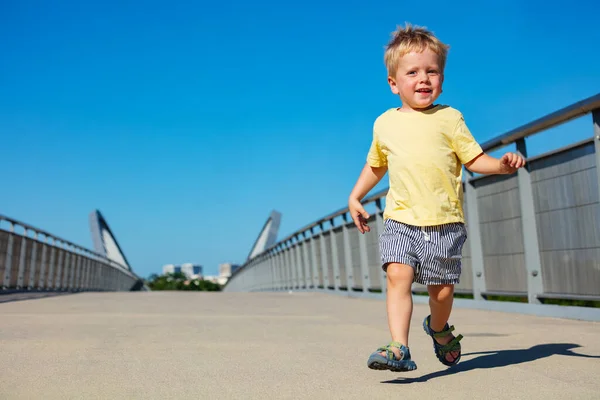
(185, 125)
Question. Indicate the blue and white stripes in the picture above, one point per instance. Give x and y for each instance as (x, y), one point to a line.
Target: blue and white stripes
(435, 252)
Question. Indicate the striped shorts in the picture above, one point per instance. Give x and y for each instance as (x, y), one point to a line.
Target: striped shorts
(434, 252)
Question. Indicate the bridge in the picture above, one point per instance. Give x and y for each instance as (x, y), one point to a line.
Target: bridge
(300, 317)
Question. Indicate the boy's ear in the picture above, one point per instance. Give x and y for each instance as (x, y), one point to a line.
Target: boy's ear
(393, 86)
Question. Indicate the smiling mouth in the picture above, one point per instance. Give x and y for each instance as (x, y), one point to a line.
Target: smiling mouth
(423, 90)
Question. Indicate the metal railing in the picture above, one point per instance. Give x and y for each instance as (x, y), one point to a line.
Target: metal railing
(38, 260)
(533, 234)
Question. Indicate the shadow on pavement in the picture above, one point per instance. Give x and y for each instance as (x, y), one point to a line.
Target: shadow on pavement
(500, 358)
(20, 296)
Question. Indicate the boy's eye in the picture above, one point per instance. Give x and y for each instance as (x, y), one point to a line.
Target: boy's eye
(432, 71)
(412, 73)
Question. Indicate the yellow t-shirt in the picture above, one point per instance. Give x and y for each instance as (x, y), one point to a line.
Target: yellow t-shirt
(424, 152)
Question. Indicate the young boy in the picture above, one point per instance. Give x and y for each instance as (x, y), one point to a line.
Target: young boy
(423, 147)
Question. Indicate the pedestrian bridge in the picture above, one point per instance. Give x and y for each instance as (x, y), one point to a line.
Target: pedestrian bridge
(299, 318)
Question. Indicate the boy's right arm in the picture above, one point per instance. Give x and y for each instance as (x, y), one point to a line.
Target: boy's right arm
(369, 177)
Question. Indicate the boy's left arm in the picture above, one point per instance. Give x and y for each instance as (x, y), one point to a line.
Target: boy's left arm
(474, 158)
(487, 165)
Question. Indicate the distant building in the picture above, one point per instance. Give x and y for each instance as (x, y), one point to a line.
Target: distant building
(168, 269)
(190, 270)
(227, 269)
(225, 272)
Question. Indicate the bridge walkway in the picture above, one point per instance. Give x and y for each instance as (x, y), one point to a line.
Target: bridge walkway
(178, 345)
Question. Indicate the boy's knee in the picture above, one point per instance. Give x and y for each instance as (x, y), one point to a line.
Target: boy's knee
(399, 273)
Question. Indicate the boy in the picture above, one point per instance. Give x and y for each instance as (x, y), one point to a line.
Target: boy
(423, 147)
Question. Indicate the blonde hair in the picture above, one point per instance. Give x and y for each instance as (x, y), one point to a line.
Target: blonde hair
(409, 39)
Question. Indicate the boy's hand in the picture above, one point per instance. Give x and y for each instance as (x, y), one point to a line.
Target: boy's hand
(359, 215)
(511, 162)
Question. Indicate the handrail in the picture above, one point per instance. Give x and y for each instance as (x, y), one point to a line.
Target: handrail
(556, 118)
(56, 239)
(565, 114)
(333, 215)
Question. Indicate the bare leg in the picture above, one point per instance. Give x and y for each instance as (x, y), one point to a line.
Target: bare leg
(440, 303)
(399, 302)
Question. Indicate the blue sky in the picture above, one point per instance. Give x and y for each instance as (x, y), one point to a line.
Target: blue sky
(185, 125)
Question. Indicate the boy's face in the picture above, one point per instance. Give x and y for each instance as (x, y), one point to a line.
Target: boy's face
(418, 80)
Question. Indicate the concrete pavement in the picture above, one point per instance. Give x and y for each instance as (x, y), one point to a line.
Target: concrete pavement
(180, 345)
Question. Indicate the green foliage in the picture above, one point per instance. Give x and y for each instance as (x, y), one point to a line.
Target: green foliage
(523, 299)
(178, 281)
(576, 303)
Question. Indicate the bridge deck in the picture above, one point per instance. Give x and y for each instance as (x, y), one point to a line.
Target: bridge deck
(277, 346)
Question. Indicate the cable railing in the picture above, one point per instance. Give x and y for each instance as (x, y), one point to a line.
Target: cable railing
(34, 259)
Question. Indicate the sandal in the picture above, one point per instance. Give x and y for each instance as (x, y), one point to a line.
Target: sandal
(402, 364)
(441, 350)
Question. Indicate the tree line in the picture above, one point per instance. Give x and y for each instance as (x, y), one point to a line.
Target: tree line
(179, 281)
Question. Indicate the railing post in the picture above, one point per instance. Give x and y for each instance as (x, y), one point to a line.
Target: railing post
(43, 267)
(477, 263)
(84, 268)
(273, 268)
(334, 257)
(535, 284)
(270, 274)
(349, 268)
(77, 281)
(265, 273)
(364, 262)
(285, 254)
(379, 227)
(70, 282)
(281, 267)
(324, 266)
(296, 261)
(258, 267)
(22, 260)
(8, 259)
(82, 278)
(258, 274)
(102, 276)
(290, 264)
(596, 122)
(308, 268)
(32, 264)
(65, 269)
(50, 275)
(253, 275)
(93, 279)
(88, 274)
(313, 260)
(59, 262)
(293, 277)
(284, 268)
(72, 273)
(302, 260)
(276, 269)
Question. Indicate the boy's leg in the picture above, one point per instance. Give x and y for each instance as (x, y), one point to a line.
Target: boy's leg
(440, 303)
(399, 302)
